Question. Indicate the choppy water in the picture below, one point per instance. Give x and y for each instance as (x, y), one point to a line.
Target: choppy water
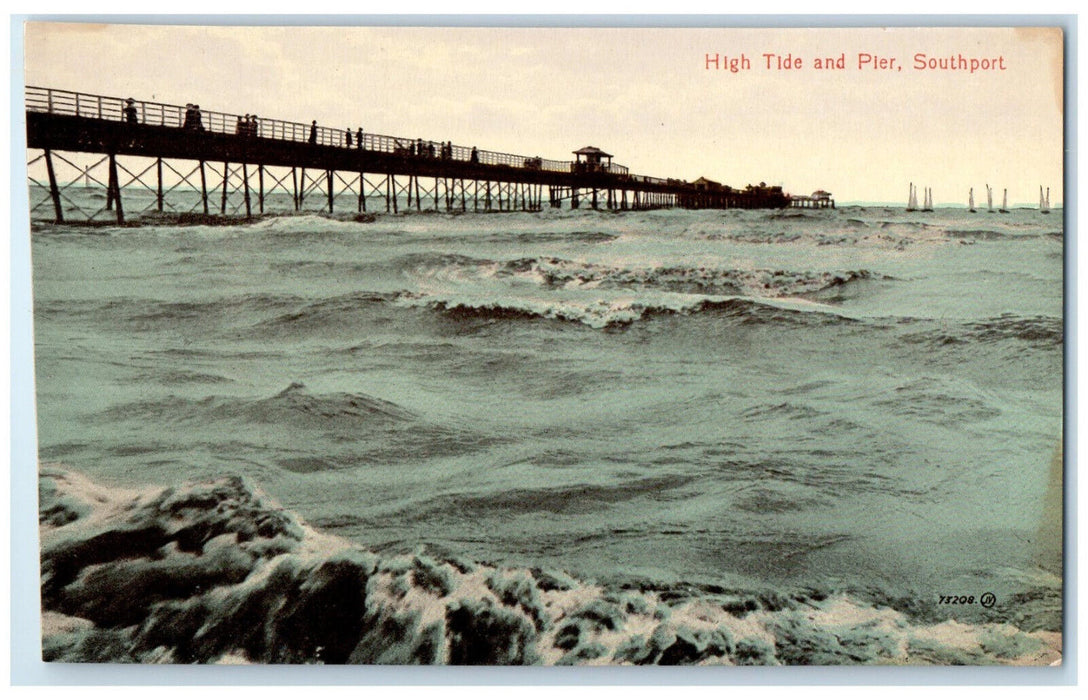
(862, 398)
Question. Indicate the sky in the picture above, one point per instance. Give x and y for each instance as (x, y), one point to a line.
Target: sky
(862, 132)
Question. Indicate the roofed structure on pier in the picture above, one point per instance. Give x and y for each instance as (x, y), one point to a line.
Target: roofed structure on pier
(589, 159)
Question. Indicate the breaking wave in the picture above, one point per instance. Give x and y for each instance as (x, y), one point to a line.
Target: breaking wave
(215, 572)
(621, 313)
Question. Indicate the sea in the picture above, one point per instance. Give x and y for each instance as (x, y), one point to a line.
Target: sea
(859, 399)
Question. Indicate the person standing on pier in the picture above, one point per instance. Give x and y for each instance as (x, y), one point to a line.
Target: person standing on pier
(347, 137)
(253, 126)
(313, 132)
(475, 157)
(359, 138)
(130, 111)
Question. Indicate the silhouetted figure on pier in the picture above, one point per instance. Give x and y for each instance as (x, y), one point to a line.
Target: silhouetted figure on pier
(430, 149)
(193, 119)
(359, 138)
(313, 132)
(419, 147)
(347, 137)
(241, 126)
(475, 157)
(130, 111)
(253, 128)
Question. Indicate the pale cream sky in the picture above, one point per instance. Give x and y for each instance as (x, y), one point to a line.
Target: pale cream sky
(644, 95)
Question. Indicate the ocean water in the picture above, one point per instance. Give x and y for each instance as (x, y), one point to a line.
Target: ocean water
(860, 399)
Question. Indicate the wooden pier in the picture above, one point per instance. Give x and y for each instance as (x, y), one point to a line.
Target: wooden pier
(818, 200)
(227, 164)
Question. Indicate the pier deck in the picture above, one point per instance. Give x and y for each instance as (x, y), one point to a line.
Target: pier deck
(247, 160)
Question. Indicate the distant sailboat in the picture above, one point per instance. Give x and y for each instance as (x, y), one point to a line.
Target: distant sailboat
(1004, 201)
(989, 200)
(927, 205)
(1044, 202)
(912, 198)
(971, 200)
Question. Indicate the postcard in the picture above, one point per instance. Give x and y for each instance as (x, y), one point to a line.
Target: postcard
(605, 346)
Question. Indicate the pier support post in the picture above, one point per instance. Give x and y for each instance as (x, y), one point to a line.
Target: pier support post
(419, 204)
(594, 197)
(203, 188)
(158, 169)
(109, 191)
(487, 200)
(362, 192)
(54, 191)
(393, 191)
(223, 200)
(294, 186)
(115, 186)
(260, 189)
(245, 189)
(328, 187)
(574, 198)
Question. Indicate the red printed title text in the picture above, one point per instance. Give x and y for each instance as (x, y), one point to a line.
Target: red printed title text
(860, 61)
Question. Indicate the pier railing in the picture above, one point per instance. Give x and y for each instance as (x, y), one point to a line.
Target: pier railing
(158, 114)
